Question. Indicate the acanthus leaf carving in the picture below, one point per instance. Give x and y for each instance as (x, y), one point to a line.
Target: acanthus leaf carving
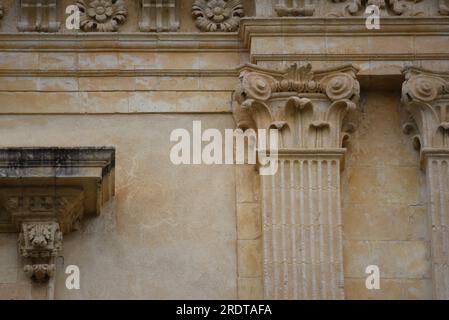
(39, 272)
(311, 106)
(40, 239)
(425, 96)
(102, 15)
(217, 15)
(159, 16)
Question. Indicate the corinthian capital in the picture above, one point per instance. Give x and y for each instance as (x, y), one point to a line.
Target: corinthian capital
(425, 95)
(309, 108)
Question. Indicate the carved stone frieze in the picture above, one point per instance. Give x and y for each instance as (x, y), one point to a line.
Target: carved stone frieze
(157, 15)
(102, 15)
(217, 15)
(38, 16)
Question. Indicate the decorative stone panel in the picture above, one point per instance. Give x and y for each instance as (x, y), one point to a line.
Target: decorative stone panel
(159, 15)
(425, 96)
(217, 15)
(301, 214)
(38, 15)
(102, 15)
(45, 193)
(294, 8)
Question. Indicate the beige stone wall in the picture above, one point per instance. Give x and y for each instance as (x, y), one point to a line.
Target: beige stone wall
(384, 208)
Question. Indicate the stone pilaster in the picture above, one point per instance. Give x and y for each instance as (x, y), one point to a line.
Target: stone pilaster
(425, 96)
(301, 215)
(159, 15)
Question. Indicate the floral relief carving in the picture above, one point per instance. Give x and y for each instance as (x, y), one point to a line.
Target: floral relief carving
(387, 7)
(102, 15)
(217, 15)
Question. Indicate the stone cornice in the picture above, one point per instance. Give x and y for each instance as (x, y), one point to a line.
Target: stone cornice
(170, 41)
(222, 41)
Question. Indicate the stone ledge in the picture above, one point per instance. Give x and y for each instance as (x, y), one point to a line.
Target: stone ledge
(40, 183)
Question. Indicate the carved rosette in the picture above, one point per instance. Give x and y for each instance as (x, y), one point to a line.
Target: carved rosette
(40, 242)
(294, 9)
(217, 15)
(308, 108)
(102, 15)
(425, 95)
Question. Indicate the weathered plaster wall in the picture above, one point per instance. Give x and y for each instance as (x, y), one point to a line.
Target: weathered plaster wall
(170, 230)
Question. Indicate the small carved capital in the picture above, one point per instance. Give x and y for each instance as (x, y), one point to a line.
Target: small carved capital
(386, 7)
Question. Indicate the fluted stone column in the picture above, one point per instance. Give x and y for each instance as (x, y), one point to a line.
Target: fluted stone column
(301, 214)
(425, 96)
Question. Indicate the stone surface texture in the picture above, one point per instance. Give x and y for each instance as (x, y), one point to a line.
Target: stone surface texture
(363, 162)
